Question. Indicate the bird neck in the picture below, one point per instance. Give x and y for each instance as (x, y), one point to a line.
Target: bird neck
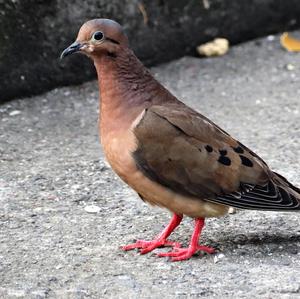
(126, 89)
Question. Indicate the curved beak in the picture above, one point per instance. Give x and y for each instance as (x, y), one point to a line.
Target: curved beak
(75, 47)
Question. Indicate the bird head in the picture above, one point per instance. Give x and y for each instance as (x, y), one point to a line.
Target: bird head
(98, 37)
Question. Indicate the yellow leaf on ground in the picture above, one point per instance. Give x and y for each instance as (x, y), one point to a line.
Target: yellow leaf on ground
(289, 43)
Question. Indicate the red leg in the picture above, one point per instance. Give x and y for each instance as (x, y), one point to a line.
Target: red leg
(179, 254)
(160, 240)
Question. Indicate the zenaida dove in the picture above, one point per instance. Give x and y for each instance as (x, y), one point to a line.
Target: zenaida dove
(171, 155)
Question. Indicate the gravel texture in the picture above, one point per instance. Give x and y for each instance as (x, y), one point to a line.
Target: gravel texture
(64, 213)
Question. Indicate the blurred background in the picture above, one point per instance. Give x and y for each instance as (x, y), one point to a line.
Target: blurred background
(34, 32)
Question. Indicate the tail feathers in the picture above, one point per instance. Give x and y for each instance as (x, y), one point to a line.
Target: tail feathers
(287, 183)
(276, 195)
(285, 188)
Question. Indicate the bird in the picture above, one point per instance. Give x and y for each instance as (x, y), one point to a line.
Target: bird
(171, 155)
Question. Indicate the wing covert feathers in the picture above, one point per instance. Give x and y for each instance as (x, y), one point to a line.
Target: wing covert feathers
(186, 152)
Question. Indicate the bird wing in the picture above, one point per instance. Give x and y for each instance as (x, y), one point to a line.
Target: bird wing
(186, 152)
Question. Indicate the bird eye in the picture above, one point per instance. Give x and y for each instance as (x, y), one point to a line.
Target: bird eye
(98, 35)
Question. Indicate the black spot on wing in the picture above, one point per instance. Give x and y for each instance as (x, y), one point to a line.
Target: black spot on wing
(224, 160)
(238, 150)
(223, 152)
(251, 152)
(209, 148)
(245, 161)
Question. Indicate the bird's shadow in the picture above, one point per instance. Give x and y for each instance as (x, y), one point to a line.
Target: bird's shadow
(258, 239)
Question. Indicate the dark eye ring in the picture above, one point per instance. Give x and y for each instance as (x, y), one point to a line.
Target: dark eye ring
(98, 35)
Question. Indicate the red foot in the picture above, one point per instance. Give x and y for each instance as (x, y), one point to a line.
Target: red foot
(160, 241)
(180, 254)
(147, 246)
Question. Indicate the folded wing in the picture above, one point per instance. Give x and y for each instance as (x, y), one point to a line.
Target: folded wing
(186, 152)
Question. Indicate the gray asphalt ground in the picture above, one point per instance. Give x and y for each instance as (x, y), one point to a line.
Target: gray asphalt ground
(52, 167)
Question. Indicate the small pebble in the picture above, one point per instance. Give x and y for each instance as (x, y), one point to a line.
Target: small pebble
(14, 112)
(290, 67)
(92, 209)
(218, 257)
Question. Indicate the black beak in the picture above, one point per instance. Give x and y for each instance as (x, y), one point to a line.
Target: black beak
(75, 47)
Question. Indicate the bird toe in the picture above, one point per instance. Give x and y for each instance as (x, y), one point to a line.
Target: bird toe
(148, 246)
(180, 254)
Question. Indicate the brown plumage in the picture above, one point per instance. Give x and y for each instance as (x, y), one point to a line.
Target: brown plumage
(171, 155)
